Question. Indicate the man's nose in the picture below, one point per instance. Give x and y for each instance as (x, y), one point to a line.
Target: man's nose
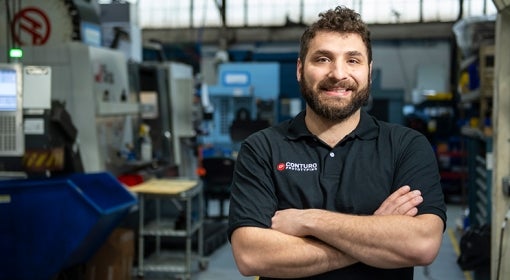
(338, 70)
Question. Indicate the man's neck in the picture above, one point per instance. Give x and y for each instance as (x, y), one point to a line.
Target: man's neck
(331, 132)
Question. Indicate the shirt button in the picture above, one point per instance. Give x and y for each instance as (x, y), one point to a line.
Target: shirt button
(332, 154)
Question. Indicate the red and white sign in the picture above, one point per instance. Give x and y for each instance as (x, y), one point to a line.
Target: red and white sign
(31, 24)
(39, 23)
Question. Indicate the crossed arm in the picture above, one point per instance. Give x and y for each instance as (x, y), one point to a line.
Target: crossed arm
(307, 242)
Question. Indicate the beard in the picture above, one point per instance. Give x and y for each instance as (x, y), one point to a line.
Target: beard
(336, 109)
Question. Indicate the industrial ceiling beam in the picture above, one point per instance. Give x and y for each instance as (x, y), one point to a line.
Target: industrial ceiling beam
(438, 30)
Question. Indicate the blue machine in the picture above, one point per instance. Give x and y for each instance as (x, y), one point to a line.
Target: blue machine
(247, 92)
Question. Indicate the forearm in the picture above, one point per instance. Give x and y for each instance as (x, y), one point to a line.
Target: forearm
(382, 241)
(266, 252)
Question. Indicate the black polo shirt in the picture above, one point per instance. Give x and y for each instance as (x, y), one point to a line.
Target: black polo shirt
(285, 166)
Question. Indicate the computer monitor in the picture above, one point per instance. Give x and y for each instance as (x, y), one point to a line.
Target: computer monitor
(11, 112)
(8, 88)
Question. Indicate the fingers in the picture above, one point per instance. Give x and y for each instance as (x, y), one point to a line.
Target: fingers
(400, 192)
(411, 212)
(409, 207)
(401, 202)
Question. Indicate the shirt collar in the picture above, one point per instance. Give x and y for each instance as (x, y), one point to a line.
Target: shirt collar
(366, 129)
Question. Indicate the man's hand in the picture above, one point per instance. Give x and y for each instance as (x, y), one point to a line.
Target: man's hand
(402, 202)
(287, 221)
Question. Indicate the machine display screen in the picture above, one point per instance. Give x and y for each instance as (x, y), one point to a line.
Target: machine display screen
(8, 89)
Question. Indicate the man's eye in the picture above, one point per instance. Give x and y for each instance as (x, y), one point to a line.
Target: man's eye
(353, 61)
(322, 59)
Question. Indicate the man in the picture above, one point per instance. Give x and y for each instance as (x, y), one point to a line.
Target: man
(335, 193)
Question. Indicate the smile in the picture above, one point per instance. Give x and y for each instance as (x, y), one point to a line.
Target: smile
(337, 92)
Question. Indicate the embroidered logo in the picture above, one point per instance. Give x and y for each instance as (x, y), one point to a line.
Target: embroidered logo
(281, 166)
(305, 167)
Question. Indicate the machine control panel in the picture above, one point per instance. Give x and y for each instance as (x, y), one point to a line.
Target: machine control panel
(11, 112)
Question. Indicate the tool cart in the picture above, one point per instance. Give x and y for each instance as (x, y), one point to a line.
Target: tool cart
(187, 196)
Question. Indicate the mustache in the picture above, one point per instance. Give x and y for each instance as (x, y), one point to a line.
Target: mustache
(330, 83)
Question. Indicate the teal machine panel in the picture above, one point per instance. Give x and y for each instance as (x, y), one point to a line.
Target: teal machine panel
(247, 91)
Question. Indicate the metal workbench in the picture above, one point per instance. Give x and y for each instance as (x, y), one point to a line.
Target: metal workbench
(181, 192)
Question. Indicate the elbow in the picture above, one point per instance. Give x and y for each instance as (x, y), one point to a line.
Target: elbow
(427, 258)
(245, 264)
(246, 256)
(427, 242)
(246, 270)
(425, 253)
(250, 258)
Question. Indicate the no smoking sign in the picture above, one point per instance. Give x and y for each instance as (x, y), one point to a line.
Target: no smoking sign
(31, 26)
(39, 23)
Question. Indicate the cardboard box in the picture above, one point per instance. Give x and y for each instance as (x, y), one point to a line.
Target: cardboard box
(114, 260)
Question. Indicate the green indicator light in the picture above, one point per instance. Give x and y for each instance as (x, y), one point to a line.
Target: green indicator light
(15, 53)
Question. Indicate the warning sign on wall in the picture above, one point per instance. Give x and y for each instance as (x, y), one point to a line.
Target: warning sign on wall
(39, 23)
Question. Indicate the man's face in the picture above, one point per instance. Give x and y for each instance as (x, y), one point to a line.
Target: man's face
(335, 76)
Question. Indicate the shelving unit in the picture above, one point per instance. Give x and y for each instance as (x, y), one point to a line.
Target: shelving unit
(480, 161)
(444, 136)
(476, 101)
(475, 41)
(187, 194)
(486, 71)
(475, 108)
(453, 173)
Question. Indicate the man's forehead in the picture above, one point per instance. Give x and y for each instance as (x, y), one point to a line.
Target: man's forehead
(351, 44)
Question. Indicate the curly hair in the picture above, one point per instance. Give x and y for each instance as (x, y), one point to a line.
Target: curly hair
(341, 20)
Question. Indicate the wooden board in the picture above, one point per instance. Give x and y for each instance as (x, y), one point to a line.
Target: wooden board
(165, 186)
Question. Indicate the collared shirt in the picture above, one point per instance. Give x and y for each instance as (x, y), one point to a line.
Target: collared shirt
(286, 166)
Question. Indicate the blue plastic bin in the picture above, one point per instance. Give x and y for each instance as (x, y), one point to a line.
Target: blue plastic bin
(48, 225)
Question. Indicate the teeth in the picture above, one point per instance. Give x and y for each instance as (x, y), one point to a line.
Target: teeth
(340, 90)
